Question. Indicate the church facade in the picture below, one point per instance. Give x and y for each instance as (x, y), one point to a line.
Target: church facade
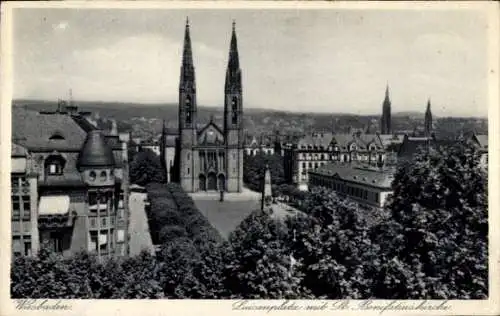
(210, 157)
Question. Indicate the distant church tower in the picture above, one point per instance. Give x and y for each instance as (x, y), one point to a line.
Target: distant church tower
(233, 117)
(385, 124)
(428, 120)
(187, 118)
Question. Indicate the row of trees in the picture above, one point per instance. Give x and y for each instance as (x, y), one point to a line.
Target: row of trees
(429, 242)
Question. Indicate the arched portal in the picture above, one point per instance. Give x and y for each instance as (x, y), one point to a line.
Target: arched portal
(222, 182)
(203, 182)
(212, 182)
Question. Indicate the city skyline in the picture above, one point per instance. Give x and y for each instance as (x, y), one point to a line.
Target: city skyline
(311, 61)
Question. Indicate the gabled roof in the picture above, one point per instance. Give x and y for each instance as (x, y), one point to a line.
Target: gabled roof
(34, 130)
(211, 123)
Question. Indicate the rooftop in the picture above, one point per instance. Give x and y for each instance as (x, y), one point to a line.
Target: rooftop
(366, 175)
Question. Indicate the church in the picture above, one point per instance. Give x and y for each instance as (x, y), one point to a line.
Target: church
(208, 157)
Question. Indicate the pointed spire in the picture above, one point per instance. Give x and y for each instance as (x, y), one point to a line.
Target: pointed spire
(234, 61)
(428, 105)
(187, 54)
(387, 98)
(233, 73)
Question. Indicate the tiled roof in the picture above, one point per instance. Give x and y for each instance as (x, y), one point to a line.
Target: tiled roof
(375, 177)
(70, 177)
(84, 123)
(34, 131)
(96, 152)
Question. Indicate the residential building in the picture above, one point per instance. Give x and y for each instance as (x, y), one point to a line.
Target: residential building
(319, 149)
(264, 146)
(69, 184)
(367, 185)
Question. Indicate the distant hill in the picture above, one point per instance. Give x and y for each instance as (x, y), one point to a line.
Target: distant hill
(146, 119)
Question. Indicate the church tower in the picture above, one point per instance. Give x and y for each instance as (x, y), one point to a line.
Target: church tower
(233, 119)
(428, 120)
(187, 118)
(385, 123)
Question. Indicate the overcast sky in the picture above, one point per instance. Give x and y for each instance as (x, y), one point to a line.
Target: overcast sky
(297, 60)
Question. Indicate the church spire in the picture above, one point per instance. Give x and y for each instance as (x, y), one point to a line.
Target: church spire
(187, 68)
(428, 119)
(233, 73)
(385, 123)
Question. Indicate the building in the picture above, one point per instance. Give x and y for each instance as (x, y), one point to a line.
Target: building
(263, 146)
(385, 121)
(318, 149)
(168, 145)
(481, 142)
(69, 184)
(210, 158)
(367, 185)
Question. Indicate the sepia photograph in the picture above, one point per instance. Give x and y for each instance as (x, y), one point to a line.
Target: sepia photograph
(244, 154)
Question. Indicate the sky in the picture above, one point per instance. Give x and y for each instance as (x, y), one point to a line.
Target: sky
(337, 61)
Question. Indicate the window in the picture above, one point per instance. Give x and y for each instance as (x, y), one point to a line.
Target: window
(56, 241)
(234, 110)
(92, 175)
(54, 165)
(14, 182)
(188, 110)
(16, 245)
(304, 165)
(93, 241)
(103, 241)
(27, 245)
(103, 176)
(16, 206)
(188, 171)
(26, 207)
(310, 165)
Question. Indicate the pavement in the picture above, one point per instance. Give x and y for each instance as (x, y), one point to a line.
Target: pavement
(140, 238)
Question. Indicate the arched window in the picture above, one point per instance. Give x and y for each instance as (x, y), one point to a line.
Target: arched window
(103, 176)
(92, 175)
(54, 165)
(188, 109)
(234, 110)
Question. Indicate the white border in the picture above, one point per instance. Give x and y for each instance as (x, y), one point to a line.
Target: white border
(219, 307)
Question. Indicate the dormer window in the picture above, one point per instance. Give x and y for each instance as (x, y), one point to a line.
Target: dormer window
(57, 136)
(103, 176)
(54, 165)
(92, 175)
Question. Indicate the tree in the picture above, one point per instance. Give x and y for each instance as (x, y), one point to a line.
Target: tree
(254, 167)
(438, 230)
(146, 168)
(259, 261)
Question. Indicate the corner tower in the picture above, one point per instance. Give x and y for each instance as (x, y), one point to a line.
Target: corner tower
(385, 123)
(233, 118)
(187, 117)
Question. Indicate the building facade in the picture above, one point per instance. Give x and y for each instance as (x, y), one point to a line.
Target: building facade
(210, 158)
(366, 185)
(69, 185)
(319, 149)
